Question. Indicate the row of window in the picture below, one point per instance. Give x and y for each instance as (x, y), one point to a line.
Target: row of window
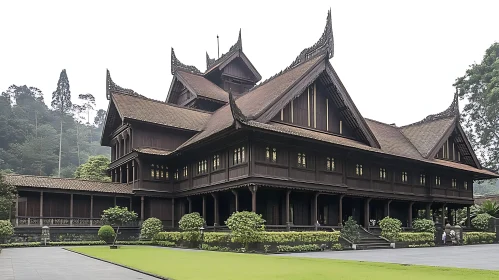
(271, 156)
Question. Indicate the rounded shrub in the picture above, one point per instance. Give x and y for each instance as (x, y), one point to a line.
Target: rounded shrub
(423, 225)
(6, 230)
(390, 228)
(245, 226)
(150, 228)
(481, 222)
(106, 233)
(191, 222)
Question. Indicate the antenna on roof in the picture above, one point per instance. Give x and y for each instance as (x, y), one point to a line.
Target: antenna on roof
(218, 47)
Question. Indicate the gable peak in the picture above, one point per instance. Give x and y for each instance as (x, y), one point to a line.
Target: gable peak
(238, 46)
(177, 65)
(111, 87)
(451, 112)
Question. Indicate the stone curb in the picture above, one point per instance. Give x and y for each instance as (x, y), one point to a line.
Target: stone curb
(124, 266)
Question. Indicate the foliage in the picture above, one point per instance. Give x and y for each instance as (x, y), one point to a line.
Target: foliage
(489, 207)
(298, 248)
(191, 222)
(29, 135)
(245, 226)
(430, 244)
(216, 237)
(486, 187)
(173, 236)
(479, 237)
(481, 222)
(151, 227)
(390, 228)
(480, 86)
(304, 236)
(416, 237)
(164, 243)
(118, 216)
(188, 264)
(7, 198)
(423, 225)
(350, 230)
(106, 233)
(63, 243)
(94, 169)
(135, 242)
(6, 229)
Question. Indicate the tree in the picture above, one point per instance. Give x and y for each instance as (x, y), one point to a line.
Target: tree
(78, 109)
(350, 230)
(7, 198)
(480, 86)
(100, 118)
(94, 169)
(61, 101)
(88, 104)
(489, 207)
(118, 216)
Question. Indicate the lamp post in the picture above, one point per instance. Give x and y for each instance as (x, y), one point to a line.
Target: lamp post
(201, 231)
(45, 234)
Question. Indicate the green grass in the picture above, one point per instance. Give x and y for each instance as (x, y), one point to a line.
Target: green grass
(185, 265)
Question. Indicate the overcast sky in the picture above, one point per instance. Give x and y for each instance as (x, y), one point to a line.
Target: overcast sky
(397, 59)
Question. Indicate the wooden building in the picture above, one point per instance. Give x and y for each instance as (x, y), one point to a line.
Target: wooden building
(293, 148)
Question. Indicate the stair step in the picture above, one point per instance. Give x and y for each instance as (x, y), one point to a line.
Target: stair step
(374, 244)
(361, 247)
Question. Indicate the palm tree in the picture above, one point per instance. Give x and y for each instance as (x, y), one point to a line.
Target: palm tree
(489, 207)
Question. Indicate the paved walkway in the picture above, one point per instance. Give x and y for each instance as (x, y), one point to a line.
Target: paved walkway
(470, 256)
(50, 263)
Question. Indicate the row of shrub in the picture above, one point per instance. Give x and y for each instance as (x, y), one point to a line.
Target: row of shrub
(73, 243)
(424, 235)
(479, 237)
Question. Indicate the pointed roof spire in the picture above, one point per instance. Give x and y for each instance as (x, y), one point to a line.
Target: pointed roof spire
(238, 46)
(237, 114)
(111, 87)
(451, 111)
(177, 65)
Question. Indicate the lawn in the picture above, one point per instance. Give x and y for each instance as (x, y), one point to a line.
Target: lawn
(186, 265)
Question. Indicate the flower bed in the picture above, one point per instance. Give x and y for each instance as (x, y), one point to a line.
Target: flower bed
(268, 242)
(479, 238)
(415, 239)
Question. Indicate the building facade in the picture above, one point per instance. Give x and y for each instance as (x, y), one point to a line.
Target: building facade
(293, 148)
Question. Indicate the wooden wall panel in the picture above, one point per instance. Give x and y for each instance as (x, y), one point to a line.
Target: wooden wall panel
(238, 171)
(157, 137)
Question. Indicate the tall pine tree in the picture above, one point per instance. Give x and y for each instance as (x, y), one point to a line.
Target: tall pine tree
(61, 102)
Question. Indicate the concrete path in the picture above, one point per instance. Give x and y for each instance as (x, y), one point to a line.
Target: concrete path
(50, 263)
(470, 256)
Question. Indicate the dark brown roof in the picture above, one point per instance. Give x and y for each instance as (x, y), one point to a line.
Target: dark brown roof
(425, 136)
(254, 101)
(157, 112)
(203, 87)
(392, 140)
(67, 184)
(152, 151)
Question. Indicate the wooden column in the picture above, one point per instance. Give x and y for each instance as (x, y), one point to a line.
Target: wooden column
(190, 204)
(236, 198)
(131, 203)
(173, 212)
(71, 210)
(133, 174)
(468, 220)
(121, 175)
(387, 208)
(428, 211)
(41, 208)
(449, 214)
(253, 190)
(215, 209)
(366, 213)
(288, 215)
(17, 209)
(340, 210)
(91, 208)
(409, 222)
(314, 219)
(127, 174)
(443, 215)
(142, 208)
(204, 208)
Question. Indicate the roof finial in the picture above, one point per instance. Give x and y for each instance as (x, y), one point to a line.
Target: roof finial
(237, 114)
(177, 65)
(238, 46)
(451, 111)
(111, 87)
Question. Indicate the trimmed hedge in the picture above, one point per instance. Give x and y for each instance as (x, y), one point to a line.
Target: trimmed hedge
(479, 237)
(298, 248)
(305, 237)
(413, 237)
(76, 243)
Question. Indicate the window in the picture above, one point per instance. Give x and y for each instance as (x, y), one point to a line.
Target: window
(153, 172)
(175, 175)
(238, 155)
(159, 172)
(437, 181)
(216, 162)
(358, 170)
(404, 177)
(382, 173)
(454, 183)
(270, 154)
(202, 166)
(184, 172)
(302, 160)
(330, 164)
(422, 179)
(465, 185)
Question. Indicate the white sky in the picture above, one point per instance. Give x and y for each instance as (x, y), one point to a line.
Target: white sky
(394, 57)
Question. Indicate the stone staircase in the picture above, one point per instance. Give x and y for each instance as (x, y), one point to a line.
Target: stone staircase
(370, 241)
